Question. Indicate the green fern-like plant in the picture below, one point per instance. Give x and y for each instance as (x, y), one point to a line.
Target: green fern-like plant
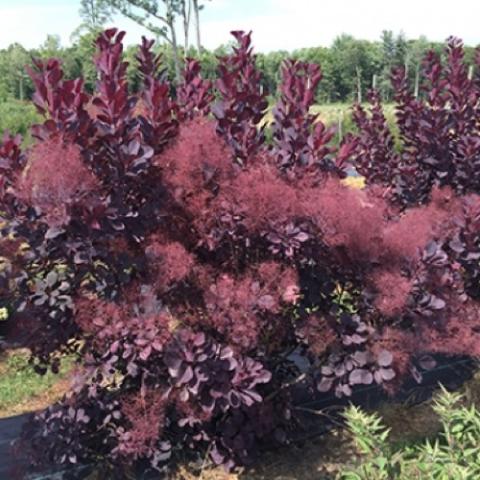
(454, 454)
(370, 437)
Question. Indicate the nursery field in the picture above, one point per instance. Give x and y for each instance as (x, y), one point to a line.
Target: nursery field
(17, 117)
(339, 116)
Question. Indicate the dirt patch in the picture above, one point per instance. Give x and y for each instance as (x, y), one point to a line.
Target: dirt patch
(317, 459)
(22, 390)
(39, 401)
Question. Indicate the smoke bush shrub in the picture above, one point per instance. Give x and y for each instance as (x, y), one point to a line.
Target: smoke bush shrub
(199, 273)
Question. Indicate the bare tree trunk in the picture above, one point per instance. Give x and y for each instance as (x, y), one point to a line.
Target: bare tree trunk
(176, 59)
(470, 72)
(374, 81)
(340, 126)
(417, 81)
(186, 13)
(406, 63)
(170, 21)
(359, 85)
(196, 11)
(21, 87)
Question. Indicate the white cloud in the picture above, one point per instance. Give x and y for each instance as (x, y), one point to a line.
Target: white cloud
(29, 24)
(277, 24)
(294, 24)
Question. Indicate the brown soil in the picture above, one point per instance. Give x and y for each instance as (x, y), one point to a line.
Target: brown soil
(317, 459)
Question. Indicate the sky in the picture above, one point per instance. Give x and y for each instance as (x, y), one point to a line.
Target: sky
(276, 24)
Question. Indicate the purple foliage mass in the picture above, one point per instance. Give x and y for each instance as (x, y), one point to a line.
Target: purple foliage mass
(181, 258)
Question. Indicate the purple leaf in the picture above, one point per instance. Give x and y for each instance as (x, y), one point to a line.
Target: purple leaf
(266, 302)
(385, 358)
(416, 374)
(387, 374)
(360, 376)
(325, 384)
(145, 353)
(427, 362)
(346, 390)
(216, 456)
(186, 376)
(360, 358)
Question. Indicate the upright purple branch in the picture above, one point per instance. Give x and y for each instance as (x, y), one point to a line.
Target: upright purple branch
(194, 94)
(375, 156)
(300, 138)
(113, 101)
(463, 108)
(157, 110)
(243, 103)
(62, 101)
(123, 149)
(12, 160)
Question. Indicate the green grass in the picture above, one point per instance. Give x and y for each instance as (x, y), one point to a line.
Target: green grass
(339, 115)
(335, 114)
(18, 117)
(19, 384)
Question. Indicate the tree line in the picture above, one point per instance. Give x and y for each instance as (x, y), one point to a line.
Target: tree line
(350, 66)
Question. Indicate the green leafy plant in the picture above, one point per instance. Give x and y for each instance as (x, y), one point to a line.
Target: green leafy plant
(453, 454)
(17, 117)
(370, 437)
